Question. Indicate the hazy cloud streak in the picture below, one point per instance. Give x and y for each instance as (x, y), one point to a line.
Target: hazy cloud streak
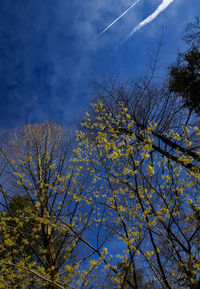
(150, 18)
(119, 17)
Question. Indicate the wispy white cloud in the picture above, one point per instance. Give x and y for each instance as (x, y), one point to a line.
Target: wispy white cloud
(119, 17)
(151, 17)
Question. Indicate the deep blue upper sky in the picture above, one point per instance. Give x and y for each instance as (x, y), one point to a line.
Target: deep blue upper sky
(51, 49)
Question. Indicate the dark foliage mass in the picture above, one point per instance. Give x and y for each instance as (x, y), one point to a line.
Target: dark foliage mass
(185, 75)
(185, 79)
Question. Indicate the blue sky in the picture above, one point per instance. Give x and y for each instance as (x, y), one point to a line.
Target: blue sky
(50, 50)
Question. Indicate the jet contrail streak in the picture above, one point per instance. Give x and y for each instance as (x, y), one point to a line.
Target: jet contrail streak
(151, 17)
(119, 17)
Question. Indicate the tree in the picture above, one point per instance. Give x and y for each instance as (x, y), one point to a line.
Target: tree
(142, 146)
(185, 75)
(41, 221)
(185, 79)
(151, 197)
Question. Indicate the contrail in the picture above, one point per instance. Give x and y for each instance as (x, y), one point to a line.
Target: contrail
(119, 17)
(150, 18)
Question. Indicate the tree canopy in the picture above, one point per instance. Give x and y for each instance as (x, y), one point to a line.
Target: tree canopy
(38, 208)
(185, 75)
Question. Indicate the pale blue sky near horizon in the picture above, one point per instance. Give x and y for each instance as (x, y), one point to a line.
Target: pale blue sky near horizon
(50, 51)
